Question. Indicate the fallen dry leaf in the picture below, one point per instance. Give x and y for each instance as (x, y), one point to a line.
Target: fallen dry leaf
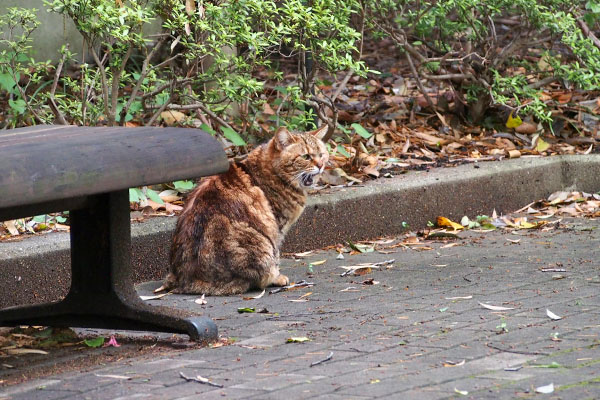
(172, 117)
(446, 223)
(552, 316)
(258, 296)
(495, 308)
(154, 297)
(545, 389)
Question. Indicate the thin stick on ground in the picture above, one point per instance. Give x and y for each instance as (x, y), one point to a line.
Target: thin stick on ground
(329, 357)
(199, 379)
(528, 353)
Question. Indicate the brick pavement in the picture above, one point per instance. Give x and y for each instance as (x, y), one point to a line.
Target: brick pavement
(396, 339)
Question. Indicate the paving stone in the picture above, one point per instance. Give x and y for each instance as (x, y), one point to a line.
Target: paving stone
(122, 390)
(225, 393)
(278, 382)
(42, 394)
(34, 388)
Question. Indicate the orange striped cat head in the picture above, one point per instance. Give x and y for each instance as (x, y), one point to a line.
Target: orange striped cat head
(301, 157)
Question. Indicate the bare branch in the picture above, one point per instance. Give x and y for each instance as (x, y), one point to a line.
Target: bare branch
(542, 82)
(103, 79)
(449, 76)
(116, 80)
(60, 118)
(588, 32)
(418, 80)
(143, 75)
(159, 111)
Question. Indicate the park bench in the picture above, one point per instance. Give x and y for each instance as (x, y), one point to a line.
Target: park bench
(88, 171)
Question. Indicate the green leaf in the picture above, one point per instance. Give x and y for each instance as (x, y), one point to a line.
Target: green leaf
(40, 218)
(134, 195)
(542, 145)
(242, 310)
(297, 339)
(60, 219)
(7, 83)
(152, 195)
(208, 129)
(362, 248)
(340, 149)
(183, 186)
(96, 342)
(17, 105)
(361, 131)
(233, 137)
(553, 364)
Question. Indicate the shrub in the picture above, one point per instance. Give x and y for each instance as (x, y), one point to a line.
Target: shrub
(204, 57)
(480, 48)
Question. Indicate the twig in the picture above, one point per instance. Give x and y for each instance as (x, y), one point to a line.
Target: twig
(116, 80)
(354, 268)
(316, 102)
(214, 116)
(103, 78)
(292, 286)
(528, 353)
(418, 79)
(143, 75)
(199, 379)
(60, 118)
(158, 112)
(587, 32)
(329, 357)
(342, 85)
(359, 52)
(542, 82)
(162, 108)
(449, 76)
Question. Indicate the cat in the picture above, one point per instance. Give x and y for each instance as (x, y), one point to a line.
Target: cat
(228, 235)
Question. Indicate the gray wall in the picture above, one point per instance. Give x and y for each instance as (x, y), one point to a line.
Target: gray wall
(52, 33)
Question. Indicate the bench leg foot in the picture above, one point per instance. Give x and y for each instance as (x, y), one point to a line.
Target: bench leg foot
(112, 313)
(202, 329)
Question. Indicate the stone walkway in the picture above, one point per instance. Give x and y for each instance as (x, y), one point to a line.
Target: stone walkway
(420, 332)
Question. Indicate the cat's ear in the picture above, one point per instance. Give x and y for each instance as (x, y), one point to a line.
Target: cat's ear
(320, 132)
(283, 138)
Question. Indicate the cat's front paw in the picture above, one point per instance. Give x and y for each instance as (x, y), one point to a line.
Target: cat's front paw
(281, 280)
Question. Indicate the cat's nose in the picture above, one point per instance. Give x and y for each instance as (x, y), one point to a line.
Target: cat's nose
(320, 164)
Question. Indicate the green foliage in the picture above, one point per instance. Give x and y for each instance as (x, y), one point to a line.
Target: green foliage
(183, 186)
(361, 131)
(464, 43)
(18, 72)
(95, 342)
(207, 54)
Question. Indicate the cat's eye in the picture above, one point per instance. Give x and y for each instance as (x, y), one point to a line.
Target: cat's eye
(306, 156)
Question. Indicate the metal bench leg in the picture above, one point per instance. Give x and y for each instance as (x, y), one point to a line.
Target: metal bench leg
(102, 293)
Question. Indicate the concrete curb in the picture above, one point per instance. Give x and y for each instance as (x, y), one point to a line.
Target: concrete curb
(37, 269)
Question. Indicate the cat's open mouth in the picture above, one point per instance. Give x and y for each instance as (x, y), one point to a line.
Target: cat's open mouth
(308, 179)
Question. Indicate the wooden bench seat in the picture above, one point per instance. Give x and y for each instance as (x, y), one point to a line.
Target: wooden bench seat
(88, 171)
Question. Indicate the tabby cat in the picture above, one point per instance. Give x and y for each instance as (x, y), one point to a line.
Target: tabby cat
(228, 236)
